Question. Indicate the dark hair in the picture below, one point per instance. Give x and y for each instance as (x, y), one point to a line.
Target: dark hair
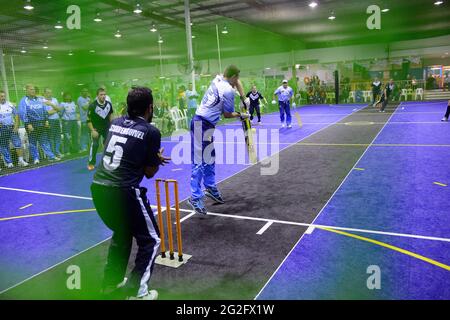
(138, 100)
(100, 90)
(231, 71)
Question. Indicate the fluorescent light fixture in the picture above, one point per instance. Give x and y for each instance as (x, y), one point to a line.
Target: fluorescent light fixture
(118, 34)
(153, 28)
(162, 77)
(267, 68)
(438, 3)
(23, 50)
(49, 56)
(80, 84)
(70, 53)
(313, 4)
(28, 6)
(225, 30)
(193, 37)
(98, 18)
(160, 40)
(45, 47)
(385, 10)
(59, 25)
(135, 80)
(92, 51)
(332, 16)
(137, 9)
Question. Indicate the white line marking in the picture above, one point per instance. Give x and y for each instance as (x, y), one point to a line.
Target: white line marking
(47, 193)
(310, 230)
(178, 169)
(266, 226)
(326, 204)
(187, 217)
(35, 275)
(27, 206)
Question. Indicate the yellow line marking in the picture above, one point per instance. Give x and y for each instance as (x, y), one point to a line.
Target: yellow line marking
(299, 120)
(440, 184)
(382, 244)
(27, 206)
(359, 169)
(46, 214)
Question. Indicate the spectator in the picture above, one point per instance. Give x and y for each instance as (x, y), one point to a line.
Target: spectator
(34, 115)
(54, 121)
(83, 106)
(9, 126)
(181, 97)
(70, 124)
(192, 97)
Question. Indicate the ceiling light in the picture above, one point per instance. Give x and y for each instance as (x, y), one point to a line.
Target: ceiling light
(118, 34)
(160, 40)
(92, 51)
(193, 37)
(58, 25)
(332, 16)
(153, 28)
(162, 77)
(70, 53)
(137, 9)
(23, 50)
(313, 4)
(438, 3)
(45, 47)
(385, 10)
(267, 68)
(98, 18)
(49, 56)
(225, 30)
(28, 5)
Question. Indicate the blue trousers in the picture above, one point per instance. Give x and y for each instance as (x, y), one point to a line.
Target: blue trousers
(39, 135)
(285, 108)
(84, 136)
(202, 156)
(55, 135)
(7, 135)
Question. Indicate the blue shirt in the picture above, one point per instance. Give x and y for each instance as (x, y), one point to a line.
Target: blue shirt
(219, 98)
(191, 96)
(54, 116)
(284, 95)
(7, 114)
(82, 102)
(69, 111)
(32, 110)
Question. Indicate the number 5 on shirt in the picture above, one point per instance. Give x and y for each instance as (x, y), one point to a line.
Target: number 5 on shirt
(114, 150)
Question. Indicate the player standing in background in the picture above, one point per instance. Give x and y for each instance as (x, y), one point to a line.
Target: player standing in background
(218, 100)
(54, 121)
(255, 96)
(132, 150)
(9, 127)
(34, 115)
(69, 116)
(100, 115)
(285, 94)
(83, 103)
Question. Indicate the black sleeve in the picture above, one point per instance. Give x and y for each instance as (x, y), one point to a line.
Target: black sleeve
(111, 111)
(153, 140)
(247, 95)
(261, 96)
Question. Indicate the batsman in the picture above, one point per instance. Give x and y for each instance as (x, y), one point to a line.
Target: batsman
(218, 100)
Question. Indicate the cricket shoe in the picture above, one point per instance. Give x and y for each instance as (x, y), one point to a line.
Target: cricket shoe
(10, 166)
(151, 295)
(289, 126)
(215, 195)
(444, 119)
(198, 206)
(22, 163)
(90, 167)
(36, 161)
(283, 125)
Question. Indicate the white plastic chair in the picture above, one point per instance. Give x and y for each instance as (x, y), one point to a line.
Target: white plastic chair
(367, 96)
(352, 95)
(178, 118)
(419, 92)
(404, 94)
